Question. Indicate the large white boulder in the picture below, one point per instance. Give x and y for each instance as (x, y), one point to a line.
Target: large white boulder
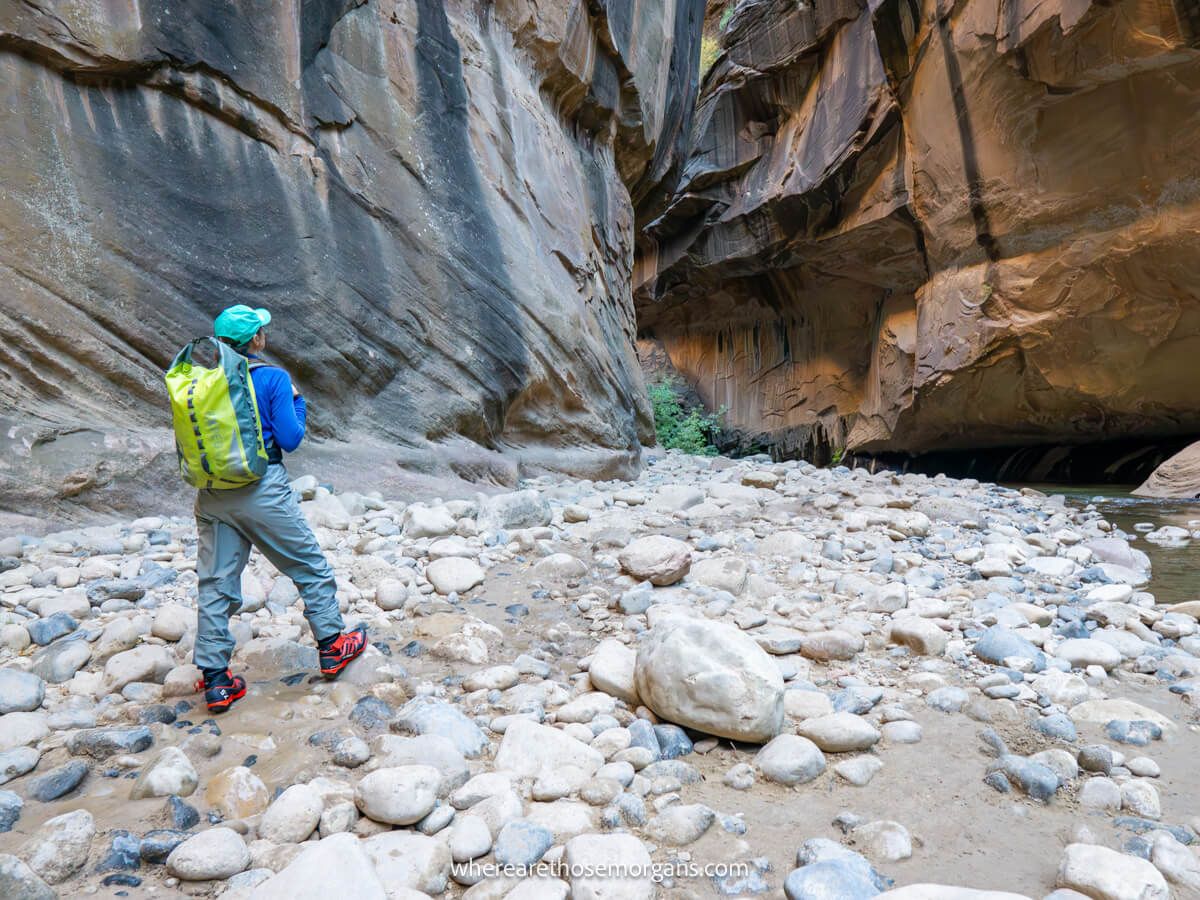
(454, 575)
(608, 867)
(148, 662)
(530, 750)
(399, 795)
(658, 559)
(293, 816)
(1084, 652)
(1105, 874)
(711, 677)
(406, 860)
(338, 866)
(215, 854)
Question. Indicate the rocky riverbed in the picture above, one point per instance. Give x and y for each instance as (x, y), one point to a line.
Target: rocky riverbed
(727, 678)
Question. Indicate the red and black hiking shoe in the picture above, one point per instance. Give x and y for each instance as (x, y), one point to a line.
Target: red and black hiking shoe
(344, 650)
(223, 691)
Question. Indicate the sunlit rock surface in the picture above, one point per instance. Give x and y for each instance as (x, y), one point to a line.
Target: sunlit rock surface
(909, 226)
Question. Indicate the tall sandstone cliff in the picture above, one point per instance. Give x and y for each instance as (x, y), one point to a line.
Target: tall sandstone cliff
(907, 225)
(435, 198)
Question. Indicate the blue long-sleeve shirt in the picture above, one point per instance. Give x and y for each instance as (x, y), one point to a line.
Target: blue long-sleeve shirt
(283, 416)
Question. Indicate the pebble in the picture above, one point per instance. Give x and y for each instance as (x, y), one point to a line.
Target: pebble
(20, 691)
(10, 810)
(839, 732)
(292, 816)
(401, 795)
(59, 781)
(790, 759)
(60, 847)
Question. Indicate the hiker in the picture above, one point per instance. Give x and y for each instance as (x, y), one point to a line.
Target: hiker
(262, 512)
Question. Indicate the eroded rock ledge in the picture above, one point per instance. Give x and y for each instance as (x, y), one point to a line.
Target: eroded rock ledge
(909, 226)
(436, 199)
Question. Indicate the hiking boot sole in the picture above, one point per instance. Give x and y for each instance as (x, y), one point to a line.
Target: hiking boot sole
(223, 705)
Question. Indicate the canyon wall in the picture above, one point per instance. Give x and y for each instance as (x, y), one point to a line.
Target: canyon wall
(914, 225)
(435, 199)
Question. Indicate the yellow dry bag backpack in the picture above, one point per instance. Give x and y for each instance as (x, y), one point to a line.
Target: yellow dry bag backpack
(218, 435)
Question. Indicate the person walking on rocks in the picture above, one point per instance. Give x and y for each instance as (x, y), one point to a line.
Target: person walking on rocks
(244, 497)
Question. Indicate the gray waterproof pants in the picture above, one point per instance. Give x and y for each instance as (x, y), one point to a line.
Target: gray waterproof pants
(267, 515)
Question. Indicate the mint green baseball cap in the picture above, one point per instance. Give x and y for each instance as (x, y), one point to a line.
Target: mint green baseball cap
(240, 323)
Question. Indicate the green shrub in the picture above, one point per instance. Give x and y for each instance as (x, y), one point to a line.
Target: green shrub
(726, 16)
(679, 428)
(709, 50)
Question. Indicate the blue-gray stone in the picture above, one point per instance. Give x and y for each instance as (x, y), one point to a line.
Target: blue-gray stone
(672, 741)
(833, 550)
(121, 879)
(183, 815)
(123, 853)
(1095, 758)
(672, 768)
(10, 810)
(1138, 825)
(1138, 732)
(158, 712)
(522, 843)
(370, 713)
(993, 742)
(43, 631)
(998, 782)
(101, 743)
(884, 563)
(857, 699)
(633, 809)
(998, 643)
(20, 691)
(1074, 629)
(1138, 846)
(115, 589)
(1034, 779)
(603, 723)
(425, 715)
(636, 600)
(58, 782)
(731, 824)
(642, 734)
(157, 845)
(833, 879)
(1002, 691)
(947, 699)
(1057, 725)
(155, 575)
(744, 883)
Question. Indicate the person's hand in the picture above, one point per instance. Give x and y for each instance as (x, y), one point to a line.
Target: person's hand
(295, 392)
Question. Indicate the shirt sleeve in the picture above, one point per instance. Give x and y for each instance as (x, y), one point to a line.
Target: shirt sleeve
(288, 414)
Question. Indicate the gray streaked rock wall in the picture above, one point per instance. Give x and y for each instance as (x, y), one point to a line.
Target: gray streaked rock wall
(436, 200)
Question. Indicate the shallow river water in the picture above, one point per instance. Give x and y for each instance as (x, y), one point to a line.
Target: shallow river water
(1175, 576)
